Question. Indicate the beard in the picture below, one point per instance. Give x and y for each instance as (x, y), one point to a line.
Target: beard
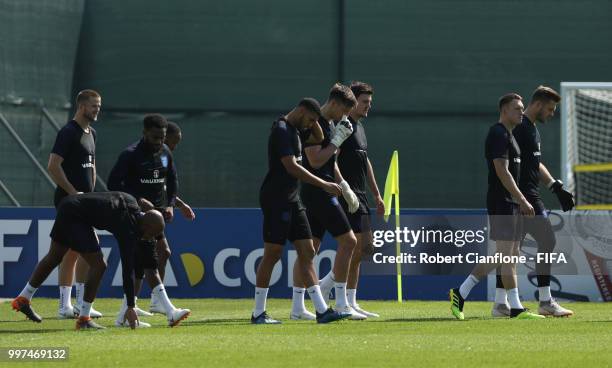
(91, 117)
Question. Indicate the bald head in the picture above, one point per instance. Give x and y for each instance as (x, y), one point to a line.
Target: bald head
(152, 224)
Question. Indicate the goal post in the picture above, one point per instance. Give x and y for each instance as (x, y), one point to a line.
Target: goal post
(586, 142)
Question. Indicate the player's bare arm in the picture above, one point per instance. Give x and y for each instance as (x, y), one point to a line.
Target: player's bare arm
(302, 174)
(501, 169)
(54, 167)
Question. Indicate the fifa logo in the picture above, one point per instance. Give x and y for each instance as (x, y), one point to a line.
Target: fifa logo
(156, 174)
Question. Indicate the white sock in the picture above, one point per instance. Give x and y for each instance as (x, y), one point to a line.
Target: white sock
(297, 301)
(160, 294)
(65, 294)
(351, 295)
(317, 298)
(153, 298)
(79, 288)
(340, 288)
(85, 309)
(28, 291)
(467, 286)
(501, 297)
(513, 298)
(261, 294)
(328, 281)
(122, 310)
(545, 293)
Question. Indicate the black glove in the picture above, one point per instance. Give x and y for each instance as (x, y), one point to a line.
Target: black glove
(565, 198)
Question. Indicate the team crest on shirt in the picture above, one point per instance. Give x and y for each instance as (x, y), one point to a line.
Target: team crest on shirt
(156, 174)
(89, 158)
(164, 160)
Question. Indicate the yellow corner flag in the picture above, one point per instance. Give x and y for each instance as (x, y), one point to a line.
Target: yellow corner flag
(392, 191)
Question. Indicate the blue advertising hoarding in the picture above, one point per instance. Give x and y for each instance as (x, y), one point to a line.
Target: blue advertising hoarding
(214, 256)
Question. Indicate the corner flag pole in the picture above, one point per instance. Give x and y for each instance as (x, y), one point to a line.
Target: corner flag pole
(391, 191)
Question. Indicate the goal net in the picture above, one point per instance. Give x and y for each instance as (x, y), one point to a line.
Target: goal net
(586, 152)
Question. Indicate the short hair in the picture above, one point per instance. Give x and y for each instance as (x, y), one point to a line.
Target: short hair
(311, 105)
(173, 128)
(155, 121)
(85, 95)
(545, 94)
(342, 94)
(361, 88)
(507, 98)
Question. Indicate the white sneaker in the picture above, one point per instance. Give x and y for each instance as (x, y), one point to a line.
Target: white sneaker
(326, 292)
(500, 310)
(66, 313)
(552, 308)
(358, 309)
(92, 313)
(139, 324)
(177, 316)
(157, 308)
(303, 315)
(142, 313)
(355, 316)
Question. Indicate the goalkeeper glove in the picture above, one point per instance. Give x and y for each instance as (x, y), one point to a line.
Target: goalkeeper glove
(343, 130)
(566, 199)
(349, 196)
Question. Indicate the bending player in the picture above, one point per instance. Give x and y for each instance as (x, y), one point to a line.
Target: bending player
(356, 169)
(323, 208)
(77, 215)
(541, 108)
(505, 204)
(284, 217)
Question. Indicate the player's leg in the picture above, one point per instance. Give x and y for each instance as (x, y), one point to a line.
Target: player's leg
(314, 234)
(501, 307)
(97, 267)
(298, 308)
(148, 262)
(138, 280)
(87, 244)
(66, 273)
(300, 235)
(121, 320)
(360, 223)
(163, 253)
(306, 253)
(509, 280)
(46, 265)
(173, 314)
(272, 254)
(80, 275)
(330, 213)
(504, 227)
(544, 235)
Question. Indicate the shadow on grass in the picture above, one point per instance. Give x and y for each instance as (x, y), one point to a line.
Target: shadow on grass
(32, 331)
(426, 319)
(219, 321)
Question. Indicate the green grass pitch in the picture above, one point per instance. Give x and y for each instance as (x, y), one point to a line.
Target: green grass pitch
(412, 334)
